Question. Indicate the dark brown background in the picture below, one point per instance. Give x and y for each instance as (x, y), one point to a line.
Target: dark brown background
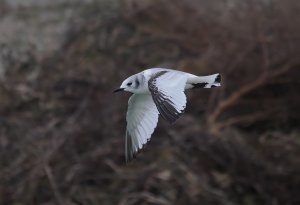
(62, 130)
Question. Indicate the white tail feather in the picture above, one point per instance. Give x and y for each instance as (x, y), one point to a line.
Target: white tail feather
(209, 81)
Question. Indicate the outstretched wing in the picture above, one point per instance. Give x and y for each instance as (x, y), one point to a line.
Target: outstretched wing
(142, 118)
(167, 90)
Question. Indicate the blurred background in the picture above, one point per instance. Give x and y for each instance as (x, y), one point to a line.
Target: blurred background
(62, 130)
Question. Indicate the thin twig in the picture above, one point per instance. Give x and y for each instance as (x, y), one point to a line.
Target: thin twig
(53, 184)
(241, 119)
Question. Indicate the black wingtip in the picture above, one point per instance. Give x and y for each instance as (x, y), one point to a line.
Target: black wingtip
(130, 158)
(218, 79)
(199, 85)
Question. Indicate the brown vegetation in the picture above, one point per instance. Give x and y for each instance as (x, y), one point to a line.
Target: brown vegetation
(62, 129)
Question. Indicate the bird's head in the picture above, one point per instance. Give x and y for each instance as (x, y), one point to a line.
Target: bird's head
(131, 84)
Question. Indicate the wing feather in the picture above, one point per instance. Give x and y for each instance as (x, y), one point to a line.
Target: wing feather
(142, 118)
(167, 90)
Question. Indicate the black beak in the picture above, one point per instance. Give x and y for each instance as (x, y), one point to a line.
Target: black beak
(118, 90)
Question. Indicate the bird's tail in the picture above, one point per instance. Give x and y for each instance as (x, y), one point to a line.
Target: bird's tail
(209, 81)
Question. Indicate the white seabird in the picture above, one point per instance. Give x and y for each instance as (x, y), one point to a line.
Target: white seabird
(157, 91)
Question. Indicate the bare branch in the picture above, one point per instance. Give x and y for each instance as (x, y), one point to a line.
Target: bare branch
(232, 99)
(249, 118)
(53, 184)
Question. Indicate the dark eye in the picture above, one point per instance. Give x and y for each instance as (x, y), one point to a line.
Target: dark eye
(129, 84)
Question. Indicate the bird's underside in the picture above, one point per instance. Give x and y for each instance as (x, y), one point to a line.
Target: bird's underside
(166, 98)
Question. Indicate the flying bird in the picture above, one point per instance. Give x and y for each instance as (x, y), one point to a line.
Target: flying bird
(157, 91)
